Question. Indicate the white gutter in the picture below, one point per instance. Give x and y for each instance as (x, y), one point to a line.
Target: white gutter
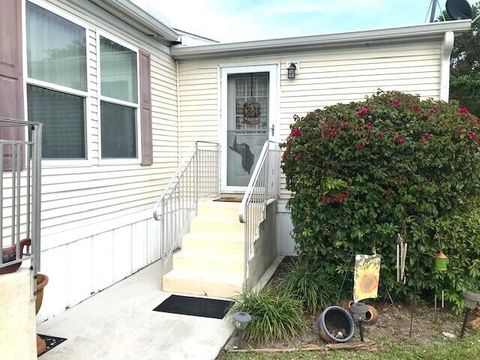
(138, 18)
(447, 47)
(424, 31)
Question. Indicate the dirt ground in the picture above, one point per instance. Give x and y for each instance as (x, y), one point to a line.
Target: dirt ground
(429, 327)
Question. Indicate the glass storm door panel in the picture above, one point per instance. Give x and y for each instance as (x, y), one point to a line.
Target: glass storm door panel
(247, 124)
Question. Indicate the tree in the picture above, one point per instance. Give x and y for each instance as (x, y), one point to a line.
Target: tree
(465, 58)
(465, 66)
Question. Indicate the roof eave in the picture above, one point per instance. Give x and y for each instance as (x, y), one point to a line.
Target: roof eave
(147, 23)
(424, 31)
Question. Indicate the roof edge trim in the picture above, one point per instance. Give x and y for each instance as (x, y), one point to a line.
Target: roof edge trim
(295, 43)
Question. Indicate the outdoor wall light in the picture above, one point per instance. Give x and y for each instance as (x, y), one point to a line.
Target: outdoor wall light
(471, 301)
(292, 68)
(359, 311)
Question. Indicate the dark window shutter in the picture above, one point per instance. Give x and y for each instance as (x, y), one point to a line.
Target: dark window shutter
(146, 108)
(11, 77)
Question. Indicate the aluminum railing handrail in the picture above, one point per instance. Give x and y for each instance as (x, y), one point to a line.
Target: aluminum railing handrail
(178, 175)
(198, 176)
(254, 203)
(248, 192)
(23, 158)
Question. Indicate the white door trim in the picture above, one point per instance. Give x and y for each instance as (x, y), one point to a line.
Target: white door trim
(274, 83)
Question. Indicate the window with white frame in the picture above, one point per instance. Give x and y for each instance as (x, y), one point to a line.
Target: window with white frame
(57, 81)
(119, 100)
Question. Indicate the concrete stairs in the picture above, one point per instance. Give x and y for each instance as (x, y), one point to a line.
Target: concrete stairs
(210, 262)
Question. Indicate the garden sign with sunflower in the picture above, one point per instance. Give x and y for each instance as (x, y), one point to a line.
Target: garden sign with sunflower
(367, 275)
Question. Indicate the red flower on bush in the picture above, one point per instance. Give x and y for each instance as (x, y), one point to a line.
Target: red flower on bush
(472, 134)
(296, 132)
(330, 133)
(426, 137)
(343, 125)
(362, 111)
(463, 111)
(399, 139)
(380, 134)
(340, 197)
(359, 146)
(326, 199)
(395, 103)
(416, 109)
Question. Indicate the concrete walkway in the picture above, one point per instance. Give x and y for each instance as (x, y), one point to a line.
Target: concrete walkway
(119, 323)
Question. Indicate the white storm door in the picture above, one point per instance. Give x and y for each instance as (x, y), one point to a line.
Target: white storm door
(247, 121)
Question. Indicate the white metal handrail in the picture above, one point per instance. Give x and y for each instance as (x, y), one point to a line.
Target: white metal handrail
(20, 195)
(198, 176)
(262, 187)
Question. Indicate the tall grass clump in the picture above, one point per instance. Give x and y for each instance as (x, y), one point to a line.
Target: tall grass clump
(274, 316)
(308, 283)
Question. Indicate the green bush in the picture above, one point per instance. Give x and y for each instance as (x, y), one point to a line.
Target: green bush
(361, 173)
(308, 283)
(274, 316)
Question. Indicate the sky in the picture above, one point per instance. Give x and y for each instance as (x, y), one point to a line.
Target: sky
(235, 20)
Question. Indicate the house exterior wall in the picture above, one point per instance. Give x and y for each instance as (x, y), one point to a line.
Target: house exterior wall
(324, 77)
(97, 225)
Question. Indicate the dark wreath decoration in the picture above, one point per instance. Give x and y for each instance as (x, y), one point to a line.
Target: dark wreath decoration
(251, 112)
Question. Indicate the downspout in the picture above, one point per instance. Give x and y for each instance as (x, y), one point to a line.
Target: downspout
(447, 46)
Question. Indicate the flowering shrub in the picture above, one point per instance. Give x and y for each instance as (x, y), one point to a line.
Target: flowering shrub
(363, 172)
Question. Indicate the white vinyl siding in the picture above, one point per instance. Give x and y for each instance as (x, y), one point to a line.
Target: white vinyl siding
(75, 197)
(324, 77)
(97, 225)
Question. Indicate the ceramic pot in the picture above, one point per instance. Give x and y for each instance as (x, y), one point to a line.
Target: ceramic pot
(371, 317)
(42, 281)
(335, 324)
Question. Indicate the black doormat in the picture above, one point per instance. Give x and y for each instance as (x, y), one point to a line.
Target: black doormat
(230, 198)
(194, 306)
(51, 341)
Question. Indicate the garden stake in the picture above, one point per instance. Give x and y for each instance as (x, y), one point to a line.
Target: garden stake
(464, 325)
(352, 257)
(414, 303)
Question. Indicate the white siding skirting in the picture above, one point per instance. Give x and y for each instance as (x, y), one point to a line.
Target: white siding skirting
(84, 266)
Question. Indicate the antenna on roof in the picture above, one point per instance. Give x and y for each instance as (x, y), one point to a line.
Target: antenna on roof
(433, 5)
(432, 9)
(459, 9)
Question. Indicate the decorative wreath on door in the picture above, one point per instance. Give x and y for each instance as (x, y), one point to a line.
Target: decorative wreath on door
(251, 112)
(251, 108)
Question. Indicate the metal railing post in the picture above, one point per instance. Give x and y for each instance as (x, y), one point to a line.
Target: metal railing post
(196, 177)
(254, 203)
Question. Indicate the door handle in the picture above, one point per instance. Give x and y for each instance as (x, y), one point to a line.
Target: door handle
(273, 129)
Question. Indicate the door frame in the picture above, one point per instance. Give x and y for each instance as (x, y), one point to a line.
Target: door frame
(272, 69)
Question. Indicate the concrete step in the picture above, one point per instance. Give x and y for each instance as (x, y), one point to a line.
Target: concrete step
(214, 284)
(218, 243)
(206, 261)
(220, 222)
(215, 208)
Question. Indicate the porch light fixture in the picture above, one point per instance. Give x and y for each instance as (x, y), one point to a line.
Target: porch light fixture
(359, 311)
(292, 68)
(471, 301)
